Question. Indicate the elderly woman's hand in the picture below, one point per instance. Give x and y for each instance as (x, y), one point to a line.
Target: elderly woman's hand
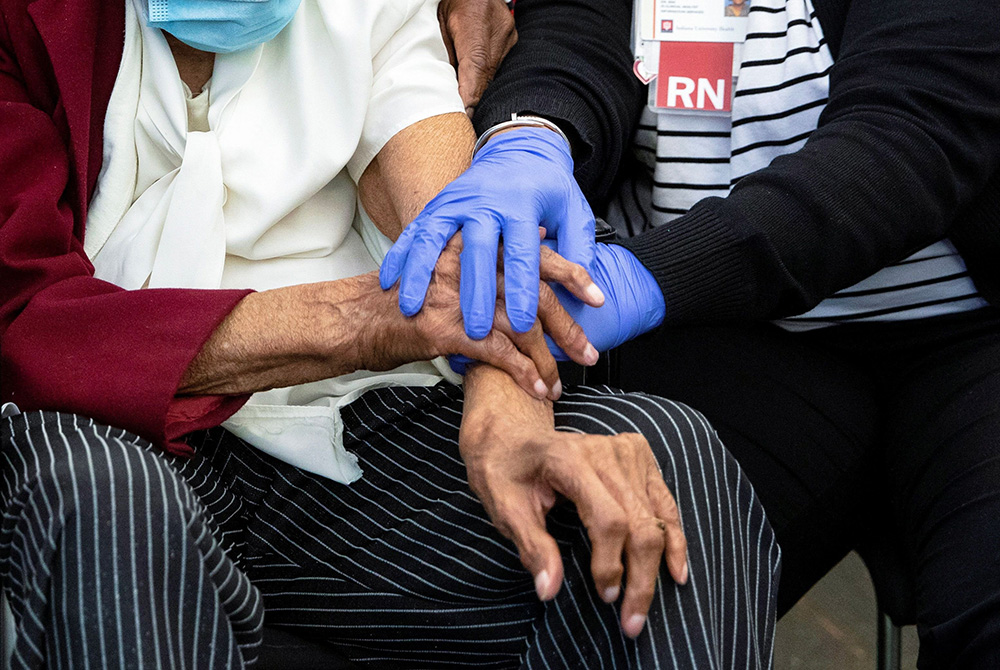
(438, 328)
(478, 34)
(518, 463)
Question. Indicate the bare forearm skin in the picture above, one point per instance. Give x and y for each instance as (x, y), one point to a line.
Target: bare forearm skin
(412, 167)
(289, 336)
(487, 388)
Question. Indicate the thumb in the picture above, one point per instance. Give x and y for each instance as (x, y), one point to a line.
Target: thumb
(474, 74)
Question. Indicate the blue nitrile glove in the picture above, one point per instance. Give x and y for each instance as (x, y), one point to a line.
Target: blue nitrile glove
(633, 301)
(519, 181)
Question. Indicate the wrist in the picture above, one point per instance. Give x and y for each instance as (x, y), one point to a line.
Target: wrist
(525, 121)
(495, 403)
(522, 121)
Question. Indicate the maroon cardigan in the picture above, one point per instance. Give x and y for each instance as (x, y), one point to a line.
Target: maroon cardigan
(70, 342)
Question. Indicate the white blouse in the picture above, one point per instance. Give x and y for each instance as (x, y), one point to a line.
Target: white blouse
(253, 183)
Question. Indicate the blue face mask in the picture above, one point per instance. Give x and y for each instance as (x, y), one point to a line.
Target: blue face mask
(222, 26)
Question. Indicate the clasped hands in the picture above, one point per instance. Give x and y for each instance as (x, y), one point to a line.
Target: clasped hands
(519, 464)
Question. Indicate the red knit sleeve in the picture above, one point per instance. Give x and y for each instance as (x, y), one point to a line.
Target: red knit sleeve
(70, 342)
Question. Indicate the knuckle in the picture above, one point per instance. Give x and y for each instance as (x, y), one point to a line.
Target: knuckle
(642, 592)
(483, 479)
(548, 303)
(478, 56)
(607, 573)
(648, 539)
(575, 335)
(579, 274)
(557, 465)
(498, 346)
(612, 523)
(671, 510)
(633, 442)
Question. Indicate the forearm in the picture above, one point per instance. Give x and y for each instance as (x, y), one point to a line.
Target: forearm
(291, 336)
(412, 167)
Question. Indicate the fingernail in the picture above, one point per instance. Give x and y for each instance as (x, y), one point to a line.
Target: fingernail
(611, 594)
(634, 625)
(684, 574)
(542, 584)
(556, 390)
(541, 390)
(590, 354)
(594, 294)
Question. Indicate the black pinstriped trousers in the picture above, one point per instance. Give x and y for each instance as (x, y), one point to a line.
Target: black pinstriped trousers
(116, 556)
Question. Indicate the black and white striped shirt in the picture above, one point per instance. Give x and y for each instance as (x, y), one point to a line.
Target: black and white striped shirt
(781, 89)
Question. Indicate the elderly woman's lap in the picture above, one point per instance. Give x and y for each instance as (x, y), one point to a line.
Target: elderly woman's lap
(403, 566)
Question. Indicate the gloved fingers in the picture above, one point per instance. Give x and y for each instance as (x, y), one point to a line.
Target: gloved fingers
(574, 278)
(392, 264)
(429, 241)
(575, 233)
(521, 257)
(478, 285)
(567, 335)
(638, 295)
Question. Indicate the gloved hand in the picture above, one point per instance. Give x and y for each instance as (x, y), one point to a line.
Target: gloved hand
(633, 301)
(520, 180)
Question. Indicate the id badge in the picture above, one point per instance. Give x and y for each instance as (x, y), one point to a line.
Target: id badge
(688, 51)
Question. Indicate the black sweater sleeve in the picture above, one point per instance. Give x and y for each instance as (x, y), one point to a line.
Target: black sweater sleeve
(910, 136)
(573, 64)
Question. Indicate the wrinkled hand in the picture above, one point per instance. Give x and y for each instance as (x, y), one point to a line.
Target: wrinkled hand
(437, 330)
(519, 181)
(633, 301)
(518, 463)
(572, 280)
(478, 34)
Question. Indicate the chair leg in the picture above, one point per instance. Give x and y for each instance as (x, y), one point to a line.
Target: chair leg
(889, 643)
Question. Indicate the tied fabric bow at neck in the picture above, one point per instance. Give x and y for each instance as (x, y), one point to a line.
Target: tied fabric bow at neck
(174, 234)
(222, 26)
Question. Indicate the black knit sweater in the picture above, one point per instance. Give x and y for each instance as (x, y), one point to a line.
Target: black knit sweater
(907, 152)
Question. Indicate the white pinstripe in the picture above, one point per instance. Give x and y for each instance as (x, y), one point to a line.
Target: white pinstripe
(114, 552)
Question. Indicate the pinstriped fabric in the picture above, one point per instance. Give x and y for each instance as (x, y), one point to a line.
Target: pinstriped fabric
(399, 570)
(402, 568)
(110, 557)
